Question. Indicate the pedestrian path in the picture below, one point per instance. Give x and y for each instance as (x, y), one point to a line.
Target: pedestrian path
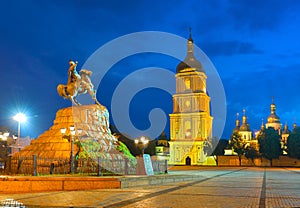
(214, 187)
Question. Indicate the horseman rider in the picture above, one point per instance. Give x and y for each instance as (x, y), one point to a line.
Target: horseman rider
(73, 76)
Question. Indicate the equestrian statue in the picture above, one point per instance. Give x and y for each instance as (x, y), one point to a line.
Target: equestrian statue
(78, 83)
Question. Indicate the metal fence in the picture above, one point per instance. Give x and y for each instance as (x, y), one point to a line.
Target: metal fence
(44, 166)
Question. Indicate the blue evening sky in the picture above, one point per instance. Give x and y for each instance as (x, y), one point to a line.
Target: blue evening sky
(253, 44)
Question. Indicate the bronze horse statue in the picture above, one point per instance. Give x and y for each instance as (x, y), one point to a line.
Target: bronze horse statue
(77, 84)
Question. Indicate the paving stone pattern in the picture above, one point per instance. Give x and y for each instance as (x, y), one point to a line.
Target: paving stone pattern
(215, 187)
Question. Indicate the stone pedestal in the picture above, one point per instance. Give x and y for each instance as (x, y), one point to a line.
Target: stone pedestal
(51, 147)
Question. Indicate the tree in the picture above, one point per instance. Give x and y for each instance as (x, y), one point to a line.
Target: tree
(220, 148)
(129, 142)
(125, 139)
(251, 153)
(151, 147)
(269, 143)
(238, 144)
(293, 143)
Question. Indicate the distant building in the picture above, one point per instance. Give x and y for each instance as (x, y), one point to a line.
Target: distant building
(162, 147)
(273, 121)
(245, 131)
(18, 145)
(191, 121)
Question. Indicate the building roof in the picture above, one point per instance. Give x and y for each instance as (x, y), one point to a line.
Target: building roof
(273, 118)
(190, 63)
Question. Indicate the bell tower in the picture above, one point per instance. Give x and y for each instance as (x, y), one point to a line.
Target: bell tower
(190, 122)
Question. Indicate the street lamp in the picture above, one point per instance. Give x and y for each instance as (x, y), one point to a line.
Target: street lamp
(4, 145)
(20, 117)
(142, 143)
(71, 139)
(4, 136)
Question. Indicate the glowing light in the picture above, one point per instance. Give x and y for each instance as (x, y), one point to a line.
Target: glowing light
(20, 117)
(63, 130)
(4, 136)
(72, 128)
(79, 131)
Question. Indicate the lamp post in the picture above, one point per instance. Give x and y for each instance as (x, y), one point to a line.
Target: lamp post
(70, 137)
(142, 144)
(20, 117)
(3, 148)
(144, 164)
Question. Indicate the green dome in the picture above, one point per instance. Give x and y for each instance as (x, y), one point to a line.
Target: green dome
(190, 63)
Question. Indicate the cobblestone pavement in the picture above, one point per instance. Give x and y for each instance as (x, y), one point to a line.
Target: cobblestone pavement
(216, 187)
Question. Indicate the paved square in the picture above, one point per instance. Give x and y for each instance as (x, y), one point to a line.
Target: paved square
(215, 187)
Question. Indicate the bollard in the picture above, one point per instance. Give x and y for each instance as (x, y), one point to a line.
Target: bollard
(34, 165)
(166, 166)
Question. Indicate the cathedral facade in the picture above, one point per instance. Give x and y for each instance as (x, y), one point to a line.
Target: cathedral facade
(191, 121)
(273, 121)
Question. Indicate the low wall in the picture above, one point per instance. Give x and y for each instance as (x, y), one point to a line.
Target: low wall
(233, 160)
(42, 184)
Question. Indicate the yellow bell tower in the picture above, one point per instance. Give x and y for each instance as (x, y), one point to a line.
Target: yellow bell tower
(190, 122)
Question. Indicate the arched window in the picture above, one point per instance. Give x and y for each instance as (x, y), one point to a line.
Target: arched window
(187, 127)
(187, 83)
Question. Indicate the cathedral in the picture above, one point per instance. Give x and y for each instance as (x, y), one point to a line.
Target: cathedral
(273, 121)
(190, 121)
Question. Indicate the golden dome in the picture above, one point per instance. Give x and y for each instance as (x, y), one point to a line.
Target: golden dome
(273, 118)
(245, 126)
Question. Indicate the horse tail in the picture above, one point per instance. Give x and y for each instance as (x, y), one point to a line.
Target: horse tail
(61, 90)
(85, 72)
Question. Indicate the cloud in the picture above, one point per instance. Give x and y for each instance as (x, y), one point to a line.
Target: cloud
(229, 48)
(257, 15)
(43, 35)
(254, 89)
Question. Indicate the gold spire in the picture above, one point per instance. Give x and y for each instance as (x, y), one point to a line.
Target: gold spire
(244, 117)
(273, 106)
(190, 37)
(245, 125)
(285, 129)
(262, 127)
(190, 43)
(273, 118)
(237, 121)
(190, 63)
